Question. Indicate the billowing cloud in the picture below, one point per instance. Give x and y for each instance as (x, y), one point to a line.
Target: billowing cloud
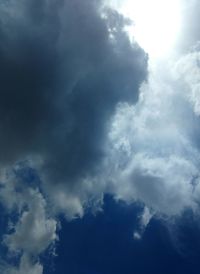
(156, 142)
(75, 122)
(64, 66)
(62, 76)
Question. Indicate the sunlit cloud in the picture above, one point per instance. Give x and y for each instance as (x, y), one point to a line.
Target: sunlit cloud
(156, 23)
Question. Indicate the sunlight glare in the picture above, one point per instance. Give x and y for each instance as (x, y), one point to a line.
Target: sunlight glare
(156, 24)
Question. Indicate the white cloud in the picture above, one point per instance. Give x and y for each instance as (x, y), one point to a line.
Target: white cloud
(187, 70)
(25, 267)
(145, 219)
(33, 225)
(154, 150)
(34, 230)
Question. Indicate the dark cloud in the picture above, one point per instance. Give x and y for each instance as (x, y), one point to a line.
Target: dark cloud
(63, 69)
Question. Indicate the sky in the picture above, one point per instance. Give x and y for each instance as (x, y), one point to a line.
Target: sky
(99, 136)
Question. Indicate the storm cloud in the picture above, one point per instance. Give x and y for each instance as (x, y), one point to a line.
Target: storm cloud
(61, 78)
(64, 67)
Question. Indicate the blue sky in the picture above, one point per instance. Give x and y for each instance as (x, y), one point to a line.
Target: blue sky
(99, 136)
(105, 244)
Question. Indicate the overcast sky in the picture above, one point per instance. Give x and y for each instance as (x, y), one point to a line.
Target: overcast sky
(99, 137)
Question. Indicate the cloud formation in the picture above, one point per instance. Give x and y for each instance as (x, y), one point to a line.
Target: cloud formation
(156, 142)
(77, 123)
(32, 230)
(64, 66)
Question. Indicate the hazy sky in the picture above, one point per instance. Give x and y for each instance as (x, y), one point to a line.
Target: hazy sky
(99, 136)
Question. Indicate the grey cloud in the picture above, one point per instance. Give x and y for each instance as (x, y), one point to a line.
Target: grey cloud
(61, 78)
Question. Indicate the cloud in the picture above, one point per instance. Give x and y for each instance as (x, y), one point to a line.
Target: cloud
(34, 225)
(187, 72)
(62, 76)
(26, 266)
(189, 34)
(32, 231)
(145, 219)
(76, 123)
(154, 144)
(64, 66)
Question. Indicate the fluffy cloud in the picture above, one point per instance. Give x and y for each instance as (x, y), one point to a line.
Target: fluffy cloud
(33, 231)
(26, 266)
(34, 225)
(154, 144)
